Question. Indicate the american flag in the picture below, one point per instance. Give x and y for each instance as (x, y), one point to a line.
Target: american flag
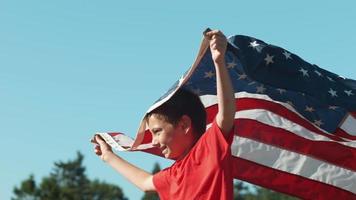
(295, 122)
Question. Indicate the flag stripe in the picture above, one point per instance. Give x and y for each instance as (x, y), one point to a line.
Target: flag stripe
(331, 152)
(341, 133)
(263, 101)
(281, 181)
(274, 120)
(349, 125)
(294, 163)
(248, 103)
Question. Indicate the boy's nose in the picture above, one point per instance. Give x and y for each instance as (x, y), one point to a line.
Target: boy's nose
(155, 142)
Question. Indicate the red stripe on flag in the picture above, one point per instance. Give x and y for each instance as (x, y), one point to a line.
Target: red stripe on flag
(341, 133)
(286, 183)
(353, 114)
(331, 152)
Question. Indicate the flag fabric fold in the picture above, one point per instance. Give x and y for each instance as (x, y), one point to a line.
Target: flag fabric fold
(295, 122)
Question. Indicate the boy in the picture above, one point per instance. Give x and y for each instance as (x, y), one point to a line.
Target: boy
(202, 169)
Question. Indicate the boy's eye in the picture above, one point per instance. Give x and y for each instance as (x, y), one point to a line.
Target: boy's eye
(156, 131)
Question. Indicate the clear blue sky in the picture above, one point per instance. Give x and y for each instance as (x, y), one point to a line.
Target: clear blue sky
(71, 68)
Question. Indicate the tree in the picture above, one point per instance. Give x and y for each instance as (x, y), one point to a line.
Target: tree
(67, 181)
(152, 195)
(265, 194)
(243, 192)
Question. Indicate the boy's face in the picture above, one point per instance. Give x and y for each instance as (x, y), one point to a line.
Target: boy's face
(173, 141)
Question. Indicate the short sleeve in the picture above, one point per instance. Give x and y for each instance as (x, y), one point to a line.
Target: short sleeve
(161, 183)
(216, 140)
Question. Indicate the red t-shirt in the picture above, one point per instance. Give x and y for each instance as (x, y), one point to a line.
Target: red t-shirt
(204, 173)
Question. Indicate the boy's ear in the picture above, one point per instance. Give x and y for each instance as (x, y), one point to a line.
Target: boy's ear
(186, 123)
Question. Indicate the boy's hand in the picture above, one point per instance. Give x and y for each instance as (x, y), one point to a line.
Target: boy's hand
(101, 148)
(218, 45)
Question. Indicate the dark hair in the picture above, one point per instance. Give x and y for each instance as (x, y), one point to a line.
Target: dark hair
(183, 102)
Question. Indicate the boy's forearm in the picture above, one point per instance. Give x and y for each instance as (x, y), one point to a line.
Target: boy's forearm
(226, 98)
(139, 177)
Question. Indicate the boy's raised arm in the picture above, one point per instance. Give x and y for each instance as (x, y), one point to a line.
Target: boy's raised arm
(225, 93)
(142, 179)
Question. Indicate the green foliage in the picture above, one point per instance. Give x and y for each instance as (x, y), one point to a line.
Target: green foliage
(67, 181)
(265, 194)
(152, 195)
(243, 192)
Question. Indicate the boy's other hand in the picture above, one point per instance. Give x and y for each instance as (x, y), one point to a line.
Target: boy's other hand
(218, 45)
(101, 148)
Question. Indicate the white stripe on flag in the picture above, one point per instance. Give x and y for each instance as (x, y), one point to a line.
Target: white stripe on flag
(349, 125)
(294, 163)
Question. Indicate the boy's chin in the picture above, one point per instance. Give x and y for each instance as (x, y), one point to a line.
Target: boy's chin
(170, 156)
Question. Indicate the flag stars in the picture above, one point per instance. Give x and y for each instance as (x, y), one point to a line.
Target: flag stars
(332, 92)
(333, 107)
(309, 109)
(290, 103)
(330, 79)
(348, 92)
(256, 46)
(281, 91)
(251, 83)
(261, 89)
(209, 74)
(304, 71)
(287, 55)
(197, 91)
(318, 73)
(231, 65)
(242, 76)
(269, 59)
(318, 123)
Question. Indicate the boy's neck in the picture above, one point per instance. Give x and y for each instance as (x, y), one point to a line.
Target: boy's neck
(187, 150)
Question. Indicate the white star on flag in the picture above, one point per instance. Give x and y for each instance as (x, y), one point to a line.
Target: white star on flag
(348, 92)
(209, 74)
(287, 55)
(269, 59)
(256, 46)
(290, 103)
(317, 72)
(333, 107)
(253, 82)
(261, 89)
(242, 76)
(332, 92)
(318, 123)
(330, 79)
(231, 64)
(305, 72)
(281, 91)
(197, 91)
(309, 109)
